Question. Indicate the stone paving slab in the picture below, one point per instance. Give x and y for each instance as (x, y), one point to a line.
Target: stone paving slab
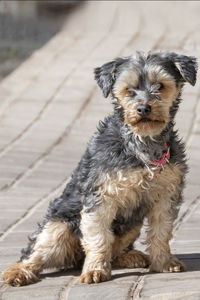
(49, 108)
(163, 287)
(118, 288)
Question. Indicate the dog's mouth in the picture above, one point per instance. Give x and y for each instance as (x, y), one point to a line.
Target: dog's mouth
(145, 120)
(148, 126)
(148, 120)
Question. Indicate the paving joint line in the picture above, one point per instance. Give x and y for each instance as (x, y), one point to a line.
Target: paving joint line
(163, 37)
(135, 291)
(65, 180)
(9, 103)
(33, 78)
(32, 209)
(193, 205)
(136, 35)
(160, 39)
(194, 120)
(9, 146)
(184, 40)
(22, 175)
(64, 293)
(114, 20)
(39, 160)
(3, 289)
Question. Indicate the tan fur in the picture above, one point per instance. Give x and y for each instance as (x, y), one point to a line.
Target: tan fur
(122, 242)
(162, 216)
(173, 265)
(20, 274)
(131, 259)
(128, 78)
(159, 115)
(114, 192)
(97, 242)
(128, 187)
(122, 191)
(95, 276)
(55, 247)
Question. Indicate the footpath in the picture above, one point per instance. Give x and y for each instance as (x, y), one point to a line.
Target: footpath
(49, 108)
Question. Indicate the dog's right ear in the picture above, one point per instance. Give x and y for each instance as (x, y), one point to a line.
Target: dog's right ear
(106, 75)
(187, 66)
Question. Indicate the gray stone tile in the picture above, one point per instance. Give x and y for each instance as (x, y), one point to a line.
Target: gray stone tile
(30, 224)
(48, 293)
(170, 286)
(117, 288)
(14, 239)
(194, 141)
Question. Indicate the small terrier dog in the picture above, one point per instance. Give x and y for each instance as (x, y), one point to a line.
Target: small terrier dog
(134, 167)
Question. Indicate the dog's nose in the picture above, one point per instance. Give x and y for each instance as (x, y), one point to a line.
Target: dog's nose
(143, 110)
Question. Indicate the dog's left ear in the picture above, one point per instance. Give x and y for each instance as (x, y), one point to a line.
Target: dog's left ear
(106, 75)
(187, 66)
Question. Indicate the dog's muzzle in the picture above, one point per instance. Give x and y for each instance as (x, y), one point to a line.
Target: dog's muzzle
(143, 110)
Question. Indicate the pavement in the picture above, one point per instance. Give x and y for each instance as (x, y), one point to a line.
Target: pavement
(49, 108)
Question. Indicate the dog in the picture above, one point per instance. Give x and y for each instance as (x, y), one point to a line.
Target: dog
(134, 168)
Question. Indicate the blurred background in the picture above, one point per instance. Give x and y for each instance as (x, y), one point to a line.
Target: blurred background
(27, 25)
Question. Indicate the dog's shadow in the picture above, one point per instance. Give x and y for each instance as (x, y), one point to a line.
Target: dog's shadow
(191, 261)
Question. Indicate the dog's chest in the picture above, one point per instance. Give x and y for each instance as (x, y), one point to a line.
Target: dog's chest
(127, 189)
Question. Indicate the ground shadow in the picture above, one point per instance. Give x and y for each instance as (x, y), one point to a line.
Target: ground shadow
(191, 260)
(59, 273)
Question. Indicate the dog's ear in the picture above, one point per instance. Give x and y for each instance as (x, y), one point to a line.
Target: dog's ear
(106, 75)
(187, 66)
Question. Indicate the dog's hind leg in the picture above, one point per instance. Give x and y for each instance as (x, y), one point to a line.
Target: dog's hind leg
(131, 259)
(124, 256)
(54, 247)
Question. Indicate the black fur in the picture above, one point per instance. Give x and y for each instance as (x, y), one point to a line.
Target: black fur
(106, 75)
(187, 66)
(115, 148)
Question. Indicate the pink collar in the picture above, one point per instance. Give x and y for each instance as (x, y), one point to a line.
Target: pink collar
(165, 158)
(159, 164)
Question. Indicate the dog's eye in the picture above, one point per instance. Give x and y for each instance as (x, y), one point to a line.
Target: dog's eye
(160, 86)
(131, 91)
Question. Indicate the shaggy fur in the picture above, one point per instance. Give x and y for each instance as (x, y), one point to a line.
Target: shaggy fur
(116, 184)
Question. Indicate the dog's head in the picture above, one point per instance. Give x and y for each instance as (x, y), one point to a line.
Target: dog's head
(146, 88)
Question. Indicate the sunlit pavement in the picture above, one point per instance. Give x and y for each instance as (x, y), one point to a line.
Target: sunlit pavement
(49, 107)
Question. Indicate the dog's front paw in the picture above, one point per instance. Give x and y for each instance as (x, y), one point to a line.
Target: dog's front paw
(95, 276)
(18, 275)
(171, 265)
(174, 265)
